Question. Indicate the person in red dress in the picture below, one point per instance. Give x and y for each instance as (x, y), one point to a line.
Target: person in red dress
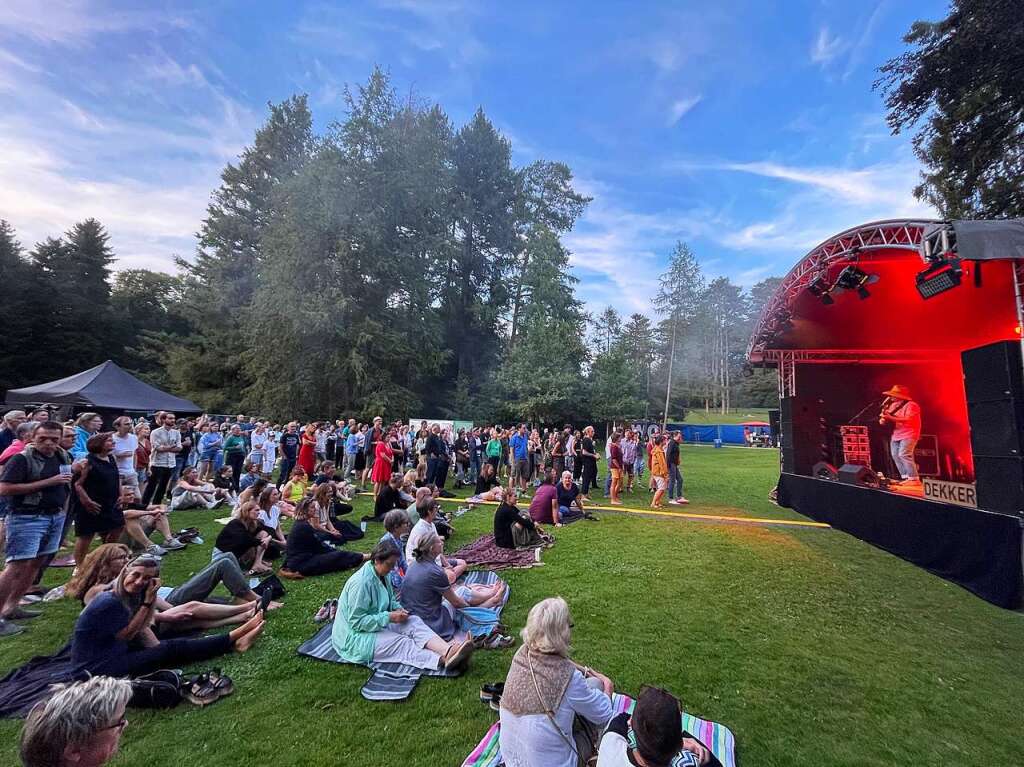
(383, 455)
(307, 449)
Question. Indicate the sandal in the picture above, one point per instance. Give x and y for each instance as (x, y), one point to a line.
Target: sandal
(200, 692)
(221, 683)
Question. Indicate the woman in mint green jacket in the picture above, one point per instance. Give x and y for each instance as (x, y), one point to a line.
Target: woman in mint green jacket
(372, 626)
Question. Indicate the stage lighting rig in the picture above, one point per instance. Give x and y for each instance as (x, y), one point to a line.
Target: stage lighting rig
(942, 275)
(855, 278)
(819, 287)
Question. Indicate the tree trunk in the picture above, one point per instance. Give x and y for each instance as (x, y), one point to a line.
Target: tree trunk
(668, 384)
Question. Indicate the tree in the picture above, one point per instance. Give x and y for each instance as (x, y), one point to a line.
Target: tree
(147, 315)
(614, 389)
(21, 336)
(722, 324)
(637, 342)
(678, 298)
(607, 328)
(963, 80)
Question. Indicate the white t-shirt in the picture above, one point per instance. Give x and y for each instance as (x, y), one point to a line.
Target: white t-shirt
(128, 443)
(419, 530)
(271, 518)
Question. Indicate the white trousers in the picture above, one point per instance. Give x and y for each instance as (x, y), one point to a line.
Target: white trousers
(406, 643)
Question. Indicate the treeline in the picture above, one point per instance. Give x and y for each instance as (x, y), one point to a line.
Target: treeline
(394, 264)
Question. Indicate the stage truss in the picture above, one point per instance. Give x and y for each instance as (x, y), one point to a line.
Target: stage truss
(902, 233)
(786, 360)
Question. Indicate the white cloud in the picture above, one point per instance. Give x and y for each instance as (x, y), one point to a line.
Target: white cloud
(75, 22)
(825, 47)
(680, 107)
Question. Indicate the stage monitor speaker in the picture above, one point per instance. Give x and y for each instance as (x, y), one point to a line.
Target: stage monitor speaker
(856, 474)
(1000, 484)
(825, 470)
(993, 372)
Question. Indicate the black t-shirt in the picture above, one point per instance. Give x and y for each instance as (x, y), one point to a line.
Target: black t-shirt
(236, 538)
(567, 496)
(672, 454)
(483, 484)
(506, 516)
(435, 446)
(388, 499)
(290, 446)
(303, 544)
(588, 447)
(52, 499)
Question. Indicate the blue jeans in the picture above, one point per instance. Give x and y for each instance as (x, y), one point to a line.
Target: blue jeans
(33, 535)
(903, 454)
(675, 481)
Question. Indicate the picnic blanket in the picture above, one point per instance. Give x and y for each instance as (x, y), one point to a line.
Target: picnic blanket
(716, 737)
(484, 552)
(389, 681)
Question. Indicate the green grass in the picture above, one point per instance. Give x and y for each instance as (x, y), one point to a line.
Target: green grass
(738, 415)
(816, 649)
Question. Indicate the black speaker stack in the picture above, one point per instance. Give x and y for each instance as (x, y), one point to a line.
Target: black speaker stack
(994, 384)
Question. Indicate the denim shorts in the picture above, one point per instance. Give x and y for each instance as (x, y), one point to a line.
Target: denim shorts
(33, 535)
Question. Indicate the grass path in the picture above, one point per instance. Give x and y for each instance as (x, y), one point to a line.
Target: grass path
(815, 648)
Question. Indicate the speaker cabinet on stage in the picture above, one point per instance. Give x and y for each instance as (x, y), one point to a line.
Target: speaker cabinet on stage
(994, 384)
(802, 436)
(857, 474)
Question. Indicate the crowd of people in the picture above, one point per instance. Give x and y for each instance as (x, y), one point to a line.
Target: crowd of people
(404, 603)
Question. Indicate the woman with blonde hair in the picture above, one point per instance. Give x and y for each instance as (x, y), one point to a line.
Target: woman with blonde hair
(552, 709)
(97, 570)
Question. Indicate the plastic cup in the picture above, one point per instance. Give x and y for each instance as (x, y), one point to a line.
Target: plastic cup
(65, 469)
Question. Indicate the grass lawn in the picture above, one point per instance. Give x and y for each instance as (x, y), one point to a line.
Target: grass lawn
(815, 648)
(739, 415)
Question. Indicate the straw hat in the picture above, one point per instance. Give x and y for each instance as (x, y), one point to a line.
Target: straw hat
(899, 391)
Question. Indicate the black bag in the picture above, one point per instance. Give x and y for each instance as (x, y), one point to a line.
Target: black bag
(161, 689)
(271, 583)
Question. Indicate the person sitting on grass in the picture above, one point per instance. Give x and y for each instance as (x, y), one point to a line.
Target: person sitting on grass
(270, 519)
(487, 488)
(113, 637)
(427, 509)
(308, 554)
(371, 624)
(328, 526)
(552, 709)
(224, 481)
(189, 493)
(344, 492)
(397, 524)
(544, 506)
(295, 488)
(656, 722)
(253, 492)
(244, 537)
(512, 528)
(390, 497)
(409, 486)
(97, 573)
(140, 522)
(568, 496)
(251, 476)
(427, 593)
(76, 725)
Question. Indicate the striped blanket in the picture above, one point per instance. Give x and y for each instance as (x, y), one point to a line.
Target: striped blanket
(484, 552)
(389, 681)
(718, 738)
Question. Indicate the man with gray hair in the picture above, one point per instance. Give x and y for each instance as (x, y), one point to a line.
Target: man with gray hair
(12, 420)
(79, 724)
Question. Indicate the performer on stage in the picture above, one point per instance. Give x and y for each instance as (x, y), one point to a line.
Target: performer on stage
(905, 415)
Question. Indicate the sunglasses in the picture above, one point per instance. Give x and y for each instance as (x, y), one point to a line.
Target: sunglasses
(119, 726)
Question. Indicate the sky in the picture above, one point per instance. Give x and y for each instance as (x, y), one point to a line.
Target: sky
(749, 130)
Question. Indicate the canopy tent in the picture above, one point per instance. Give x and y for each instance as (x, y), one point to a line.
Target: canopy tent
(104, 387)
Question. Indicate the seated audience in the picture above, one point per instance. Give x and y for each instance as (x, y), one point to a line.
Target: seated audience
(252, 475)
(512, 528)
(244, 537)
(324, 521)
(569, 496)
(294, 489)
(371, 625)
(76, 725)
(427, 509)
(224, 480)
(270, 519)
(113, 635)
(189, 493)
(308, 554)
(253, 492)
(552, 709)
(427, 592)
(396, 522)
(487, 484)
(656, 722)
(390, 497)
(141, 521)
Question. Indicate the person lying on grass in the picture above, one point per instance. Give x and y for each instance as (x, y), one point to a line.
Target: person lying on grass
(308, 554)
(657, 726)
(371, 624)
(487, 484)
(427, 509)
(114, 637)
(176, 610)
(245, 537)
(551, 707)
(427, 593)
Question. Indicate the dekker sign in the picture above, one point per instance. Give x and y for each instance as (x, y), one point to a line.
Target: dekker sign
(950, 492)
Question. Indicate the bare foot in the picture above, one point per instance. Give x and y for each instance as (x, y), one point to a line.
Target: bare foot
(245, 642)
(275, 605)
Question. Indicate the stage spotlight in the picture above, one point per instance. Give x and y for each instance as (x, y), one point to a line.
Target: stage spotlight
(852, 278)
(819, 287)
(943, 274)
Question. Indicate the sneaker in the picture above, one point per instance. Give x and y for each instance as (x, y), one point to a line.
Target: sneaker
(173, 544)
(674, 502)
(9, 629)
(681, 501)
(156, 551)
(21, 614)
(323, 613)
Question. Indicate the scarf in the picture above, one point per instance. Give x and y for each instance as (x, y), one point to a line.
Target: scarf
(550, 677)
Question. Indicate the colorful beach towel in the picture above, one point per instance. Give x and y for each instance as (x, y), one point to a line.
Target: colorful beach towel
(716, 737)
(484, 552)
(389, 681)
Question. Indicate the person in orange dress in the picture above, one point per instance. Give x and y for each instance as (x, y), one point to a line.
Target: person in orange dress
(383, 455)
(307, 449)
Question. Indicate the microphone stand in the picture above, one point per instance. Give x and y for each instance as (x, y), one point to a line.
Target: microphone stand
(863, 411)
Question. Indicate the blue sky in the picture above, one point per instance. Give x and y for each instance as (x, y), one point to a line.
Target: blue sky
(748, 129)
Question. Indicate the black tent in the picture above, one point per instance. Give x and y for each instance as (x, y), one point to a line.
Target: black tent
(104, 387)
